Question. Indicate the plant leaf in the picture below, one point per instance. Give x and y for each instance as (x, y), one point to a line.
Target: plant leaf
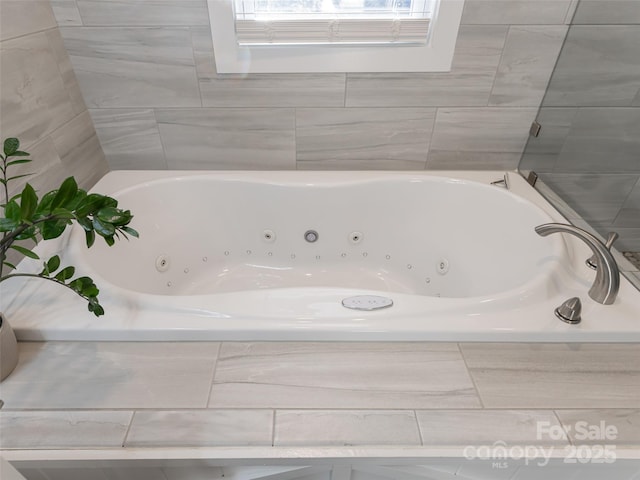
(12, 211)
(65, 274)
(66, 192)
(90, 237)
(96, 308)
(53, 263)
(77, 199)
(11, 146)
(28, 202)
(63, 213)
(113, 215)
(53, 228)
(15, 177)
(16, 162)
(130, 231)
(7, 224)
(85, 223)
(90, 204)
(19, 153)
(44, 207)
(102, 228)
(26, 252)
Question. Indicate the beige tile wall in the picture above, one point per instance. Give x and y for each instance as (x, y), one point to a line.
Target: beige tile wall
(147, 73)
(40, 99)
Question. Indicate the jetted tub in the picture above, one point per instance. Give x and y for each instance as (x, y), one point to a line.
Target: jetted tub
(325, 256)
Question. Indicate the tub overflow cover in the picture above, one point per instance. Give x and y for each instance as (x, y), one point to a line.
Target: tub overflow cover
(367, 302)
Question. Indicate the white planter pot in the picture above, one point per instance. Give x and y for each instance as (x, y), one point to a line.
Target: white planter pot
(8, 349)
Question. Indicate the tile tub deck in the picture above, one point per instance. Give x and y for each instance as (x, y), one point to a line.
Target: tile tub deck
(313, 399)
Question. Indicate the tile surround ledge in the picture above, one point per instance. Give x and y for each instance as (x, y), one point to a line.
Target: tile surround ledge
(171, 431)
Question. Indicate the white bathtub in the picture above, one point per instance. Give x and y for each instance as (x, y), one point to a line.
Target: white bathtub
(223, 256)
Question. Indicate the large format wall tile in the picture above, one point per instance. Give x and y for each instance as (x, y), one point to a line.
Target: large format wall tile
(361, 138)
(599, 66)
(607, 12)
(66, 12)
(602, 426)
(34, 99)
(41, 102)
(191, 428)
(143, 12)
(79, 149)
(518, 12)
(134, 55)
(22, 17)
(469, 83)
(134, 67)
(527, 62)
(207, 138)
(64, 429)
(203, 54)
(341, 375)
(130, 138)
(69, 79)
(483, 427)
(594, 197)
(556, 125)
(545, 375)
(541, 153)
(602, 140)
(122, 375)
(629, 214)
(467, 137)
(48, 173)
(274, 90)
(346, 427)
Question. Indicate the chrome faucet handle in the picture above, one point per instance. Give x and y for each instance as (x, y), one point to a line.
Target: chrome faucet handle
(570, 311)
(607, 282)
(591, 261)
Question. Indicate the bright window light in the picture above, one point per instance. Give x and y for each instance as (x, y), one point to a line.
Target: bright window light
(288, 36)
(309, 22)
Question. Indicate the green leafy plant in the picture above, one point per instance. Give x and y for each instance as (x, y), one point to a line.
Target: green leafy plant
(28, 218)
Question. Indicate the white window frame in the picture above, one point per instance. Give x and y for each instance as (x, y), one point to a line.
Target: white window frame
(434, 56)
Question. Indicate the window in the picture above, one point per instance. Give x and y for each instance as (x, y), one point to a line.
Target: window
(258, 36)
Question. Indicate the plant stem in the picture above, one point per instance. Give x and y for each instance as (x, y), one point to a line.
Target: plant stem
(3, 250)
(6, 241)
(51, 279)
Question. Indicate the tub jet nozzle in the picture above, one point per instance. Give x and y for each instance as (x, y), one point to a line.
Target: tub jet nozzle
(311, 236)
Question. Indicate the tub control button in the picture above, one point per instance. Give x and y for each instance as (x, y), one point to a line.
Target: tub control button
(367, 302)
(269, 236)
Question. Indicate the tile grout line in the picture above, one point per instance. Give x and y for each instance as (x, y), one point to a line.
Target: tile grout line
(473, 381)
(213, 377)
(126, 434)
(566, 432)
(420, 435)
(164, 152)
(273, 427)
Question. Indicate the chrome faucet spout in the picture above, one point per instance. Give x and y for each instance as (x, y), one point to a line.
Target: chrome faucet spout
(607, 282)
